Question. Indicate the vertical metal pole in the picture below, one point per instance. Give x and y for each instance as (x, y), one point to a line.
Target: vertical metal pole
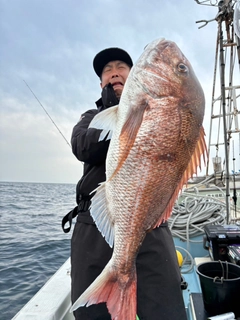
(222, 82)
(212, 105)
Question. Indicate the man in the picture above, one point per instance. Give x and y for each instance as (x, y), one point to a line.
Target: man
(159, 295)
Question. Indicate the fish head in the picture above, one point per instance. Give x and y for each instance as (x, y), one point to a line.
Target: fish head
(163, 72)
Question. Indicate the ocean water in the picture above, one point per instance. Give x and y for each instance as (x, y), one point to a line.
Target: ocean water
(32, 243)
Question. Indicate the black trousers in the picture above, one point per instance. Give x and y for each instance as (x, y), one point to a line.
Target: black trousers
(159, 295)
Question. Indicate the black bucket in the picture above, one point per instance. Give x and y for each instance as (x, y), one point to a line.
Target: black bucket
(220, 284)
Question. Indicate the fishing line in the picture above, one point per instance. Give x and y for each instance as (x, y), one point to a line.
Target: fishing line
(47, 113)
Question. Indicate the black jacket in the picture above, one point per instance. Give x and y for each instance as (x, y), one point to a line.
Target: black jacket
(92, 153)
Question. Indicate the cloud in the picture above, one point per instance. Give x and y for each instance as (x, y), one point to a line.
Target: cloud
(51, 45)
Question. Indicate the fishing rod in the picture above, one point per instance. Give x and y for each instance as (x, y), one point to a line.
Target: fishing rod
(234, 197)
(47, 113)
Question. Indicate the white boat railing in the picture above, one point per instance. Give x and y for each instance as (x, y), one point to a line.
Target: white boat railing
(52, 301)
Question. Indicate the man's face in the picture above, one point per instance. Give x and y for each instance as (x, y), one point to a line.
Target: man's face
(116, 73)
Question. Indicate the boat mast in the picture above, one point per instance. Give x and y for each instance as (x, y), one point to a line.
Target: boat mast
(224, 112)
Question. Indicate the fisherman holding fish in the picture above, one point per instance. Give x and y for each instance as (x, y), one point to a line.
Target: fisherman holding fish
(158, 282)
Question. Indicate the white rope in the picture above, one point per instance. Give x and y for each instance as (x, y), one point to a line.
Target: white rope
(190, 216)
(192, 213)
(188, 262)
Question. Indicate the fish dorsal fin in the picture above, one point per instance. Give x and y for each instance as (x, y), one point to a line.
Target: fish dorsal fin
(129, 132)
(105, 120)
(194, 163)
(101, 215)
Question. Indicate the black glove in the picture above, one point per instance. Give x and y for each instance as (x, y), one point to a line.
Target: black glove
(109, 98)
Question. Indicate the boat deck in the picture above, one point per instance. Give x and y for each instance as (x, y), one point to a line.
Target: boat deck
(192, 295)
(52, 302)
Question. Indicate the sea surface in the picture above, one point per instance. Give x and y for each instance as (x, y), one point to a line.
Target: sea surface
(32, 243)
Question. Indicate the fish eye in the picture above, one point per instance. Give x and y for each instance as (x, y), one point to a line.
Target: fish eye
(182, 67)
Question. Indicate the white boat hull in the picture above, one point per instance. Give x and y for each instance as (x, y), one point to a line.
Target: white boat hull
(53, 301)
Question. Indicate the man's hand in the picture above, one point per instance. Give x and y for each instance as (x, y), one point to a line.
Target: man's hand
(109, 97)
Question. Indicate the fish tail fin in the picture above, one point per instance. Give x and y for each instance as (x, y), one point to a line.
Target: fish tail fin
(120, 297)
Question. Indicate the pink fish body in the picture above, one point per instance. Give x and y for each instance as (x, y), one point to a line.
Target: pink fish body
(156, 146)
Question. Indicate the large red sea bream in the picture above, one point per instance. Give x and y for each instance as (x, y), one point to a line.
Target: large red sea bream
(156, 146)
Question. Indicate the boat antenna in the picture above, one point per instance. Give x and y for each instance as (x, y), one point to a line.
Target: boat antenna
(47, 113)
(234, 184)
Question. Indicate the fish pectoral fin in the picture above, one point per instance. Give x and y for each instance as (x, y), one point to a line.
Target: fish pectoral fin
(194, 163)
(133, 123)
(105, 120)
(129, 131)
(101, 215)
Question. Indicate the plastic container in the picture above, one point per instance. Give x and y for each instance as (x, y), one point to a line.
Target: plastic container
(220, 284)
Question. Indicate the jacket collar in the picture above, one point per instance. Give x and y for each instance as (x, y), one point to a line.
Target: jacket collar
(99, 104)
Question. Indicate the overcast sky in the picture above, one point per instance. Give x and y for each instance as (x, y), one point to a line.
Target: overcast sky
(50, 44)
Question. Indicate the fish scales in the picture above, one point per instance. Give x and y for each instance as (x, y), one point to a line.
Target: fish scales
(156, 146)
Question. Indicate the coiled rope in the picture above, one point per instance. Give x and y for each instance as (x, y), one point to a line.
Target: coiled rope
(189, 217)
